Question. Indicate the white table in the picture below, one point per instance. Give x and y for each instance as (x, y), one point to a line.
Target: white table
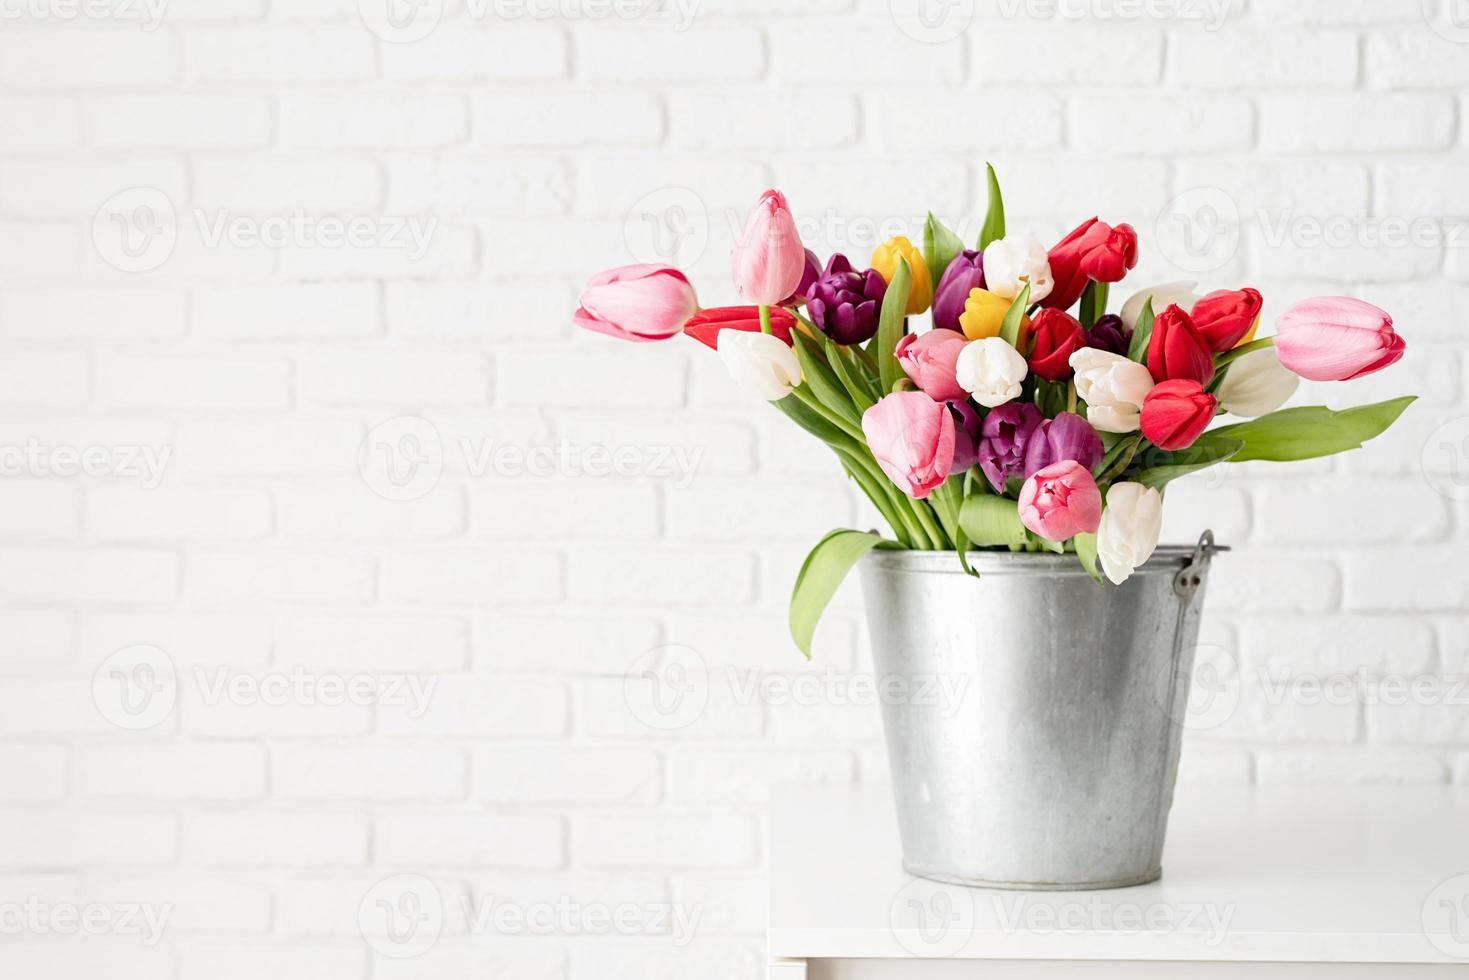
(1263, 882)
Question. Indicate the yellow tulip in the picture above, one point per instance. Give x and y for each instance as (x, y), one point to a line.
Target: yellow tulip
(1250, 334)
(885, 261)
(983, 314)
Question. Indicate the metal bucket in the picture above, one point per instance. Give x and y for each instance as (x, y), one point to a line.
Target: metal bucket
(1051, 762)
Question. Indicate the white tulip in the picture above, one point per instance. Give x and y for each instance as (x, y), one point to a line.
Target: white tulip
(760, 363)
(990, 370)
(1010, 263)
(1256, 384)
(1164, 295)
(1112, 387)
(1129, 530)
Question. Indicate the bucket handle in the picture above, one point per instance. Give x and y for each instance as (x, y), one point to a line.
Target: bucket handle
(1191, 575)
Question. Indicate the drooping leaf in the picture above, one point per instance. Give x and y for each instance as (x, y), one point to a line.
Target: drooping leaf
(940, 245)
(823, 570)
(823, 381)
(992, 522)
(1312, 430)
(1142, 332)
(1014, 317)
(1160, 468)
(891, 325)
(993, 228)
(1086, 552)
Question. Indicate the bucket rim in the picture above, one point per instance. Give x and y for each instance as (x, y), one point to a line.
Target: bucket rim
(1166, 559)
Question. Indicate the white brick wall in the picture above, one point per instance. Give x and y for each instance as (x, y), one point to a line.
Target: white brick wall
(223, 432)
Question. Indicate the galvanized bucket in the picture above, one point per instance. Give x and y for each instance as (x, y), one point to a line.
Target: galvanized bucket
(1050, 763)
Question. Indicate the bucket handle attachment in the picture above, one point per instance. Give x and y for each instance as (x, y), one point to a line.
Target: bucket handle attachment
(1191, 575)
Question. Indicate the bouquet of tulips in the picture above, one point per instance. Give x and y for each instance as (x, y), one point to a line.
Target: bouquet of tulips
(1024, 416)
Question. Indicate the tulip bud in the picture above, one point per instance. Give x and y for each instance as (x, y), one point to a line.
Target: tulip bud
(1067, 436)
(1256, 384)
(1056, 335)
(1129, 529)
(1061, 501)
(1163, 296)
(990, 370)
(846, 304)
(1107, 334)
(768, 258)
(1112, 387)
(1093, 251)
(1336, 338)
(930, 359)
(984, 314)
(965, 272)
(760, 363)
(967, 426)
(637, 302)
(1004, 438)
(920, 287)
(1012, 263)
(1228, 317)
(1177, 349)
(706, 325)
(912, 438)
(1176, 413)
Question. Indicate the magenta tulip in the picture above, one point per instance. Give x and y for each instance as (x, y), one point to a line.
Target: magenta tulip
(929, 360)
(637, 302)
(768, 260)
(1336, 338)
(1061, 501)
(912, 438)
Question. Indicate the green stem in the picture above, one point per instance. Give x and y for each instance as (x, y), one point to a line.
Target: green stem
(879, 498)
(902, 515)
(764, 318)
(930, 527)
(814, 403)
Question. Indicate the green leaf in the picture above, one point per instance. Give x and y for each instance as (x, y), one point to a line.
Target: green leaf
(1086, 552)
(991, 522)
(1312, 430)
(994, 219)
(823, 570)
(1230, 356)
(1137, 350)
(849, 372)
(1093, 303)
(1014, 316)
(799, 413)
(824, 383)
(1163, 467)
(891, 326)
(1116, 459)
(940, 245)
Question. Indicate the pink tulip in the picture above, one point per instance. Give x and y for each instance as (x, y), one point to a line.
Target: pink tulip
(768, 258)
(1336, 338)
(912, 438)
(929, 359)
(1061, 501)
(637, 302)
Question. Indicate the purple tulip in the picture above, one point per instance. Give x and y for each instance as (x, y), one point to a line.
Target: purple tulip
(967, 425)
(844, 304)
(965, 272)
(1064, 437)
(1005, 435)
(1108, 334)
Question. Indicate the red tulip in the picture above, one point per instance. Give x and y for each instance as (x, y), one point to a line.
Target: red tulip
(1227, 317)
(1056, 335)
(1177, 349)
(704, 326)
(1176, 412)
(1094, 250)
